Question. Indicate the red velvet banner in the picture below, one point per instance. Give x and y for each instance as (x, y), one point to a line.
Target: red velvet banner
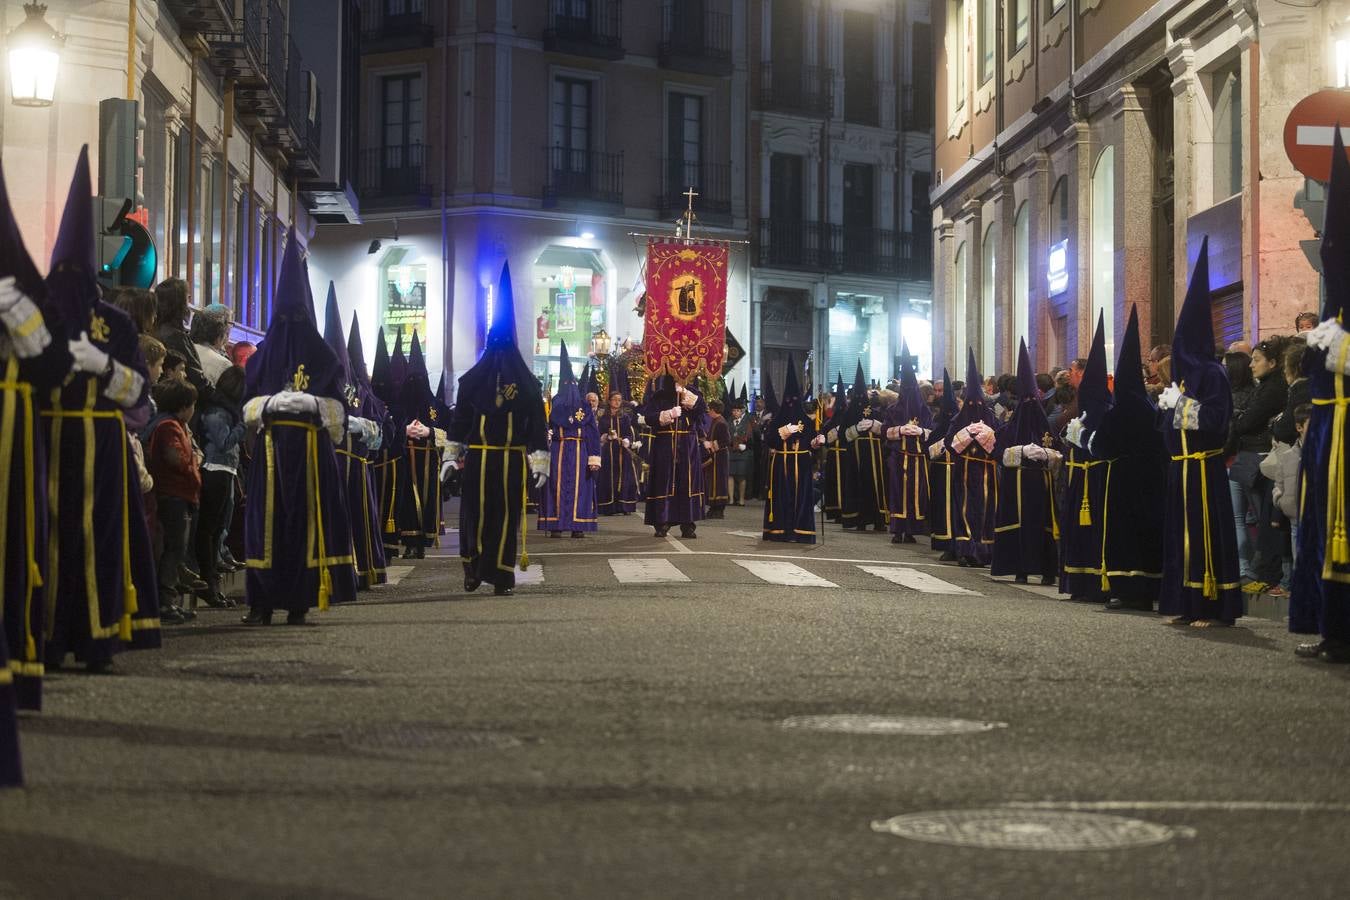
(686, 318)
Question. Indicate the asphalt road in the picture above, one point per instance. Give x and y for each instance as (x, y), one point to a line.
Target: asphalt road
(591, 737)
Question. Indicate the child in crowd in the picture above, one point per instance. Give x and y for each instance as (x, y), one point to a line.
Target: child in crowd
(222, 429)
(1281, 466)
(175, 367)
(175, 466)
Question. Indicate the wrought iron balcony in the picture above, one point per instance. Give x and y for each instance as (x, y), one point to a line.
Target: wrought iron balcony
(259, 57)
(394, 176)
(695, 43)
(712, 182)
(202, 16)
(299, 136)
(585, 28)
(794, 244)
(395, 25)
(582, 176)
(916, 109)
(239, 45)
(852, 249)
(791, 88)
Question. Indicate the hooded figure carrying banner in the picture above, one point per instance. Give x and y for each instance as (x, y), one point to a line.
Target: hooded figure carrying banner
(1200, 583)
(574, 458)
(100, 579)
(616, 488)
(789, 506)
(864, 500)
(365, 434)
(1083, 521)
(944, 490)
(678, 419)
(1319, 599)
(498, 439)
(1026, 532)
(909, 494)
(1131, 510)
(294, 397)
(972, 436)
(417, 510)
(835, 474)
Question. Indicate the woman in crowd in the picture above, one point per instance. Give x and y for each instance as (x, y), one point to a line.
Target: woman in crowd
(1251, 434)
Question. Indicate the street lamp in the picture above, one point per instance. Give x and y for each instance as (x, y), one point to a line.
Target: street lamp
(34, 57)
(601, 344)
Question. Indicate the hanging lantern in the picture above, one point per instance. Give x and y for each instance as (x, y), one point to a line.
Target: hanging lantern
(34, 58)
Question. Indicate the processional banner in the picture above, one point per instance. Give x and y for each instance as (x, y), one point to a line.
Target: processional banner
(686, 315)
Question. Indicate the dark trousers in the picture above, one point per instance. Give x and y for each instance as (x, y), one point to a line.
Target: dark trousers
(1268, 561)
(212, 519)
(174, 518)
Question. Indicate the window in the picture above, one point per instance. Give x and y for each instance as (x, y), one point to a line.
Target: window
(401, 133)
(1052, 7)
(958, 356)
(571, 124)
(860, 79)
(921, 78)
(1104, 245)
(1226, 92)
(1021, 275)
(785, 187)
(956, 54)
(988, 299)
(988, 27)
(1020, 28)
(685, 136)
(919, 210)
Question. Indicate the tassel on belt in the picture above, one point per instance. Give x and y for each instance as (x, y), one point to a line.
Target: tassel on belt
(1338, 543)
(1084, 509)
(1209, 586)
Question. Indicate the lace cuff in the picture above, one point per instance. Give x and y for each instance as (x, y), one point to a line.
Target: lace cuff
(1186, 416)
(538, 461)
(593, 461)
(333, 415)
(124, 385)
(28, 332)
(1012, 458)
(454, 449)
(253, 410)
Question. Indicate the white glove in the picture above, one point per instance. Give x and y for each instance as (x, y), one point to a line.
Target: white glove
(817, 441)
(417, 431)
(665, 417)
(707, 445)
(833, 435)
(10, 295)
(87, 357)
(676, 412)
(1169, 397)
(1322, 336)
(911, 430)
(627, 443)
(540, 479)
(740, 447)
(637, 445)
(785, 432)
(687, 399)
(293, 403)
(864, 426)
(1036, 452)
(1073, 432)
(447, 466)
(1334, 351)
(935, 450)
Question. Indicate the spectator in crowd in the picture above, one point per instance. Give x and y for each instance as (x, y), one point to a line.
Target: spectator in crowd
(1283, 427)
(140, 305)
(1238, 366)
(171, 296)
(222, 425)
(175, 367)
(1154, 379)
(241, 351)
(1252, 432)
(174, 465)
(1305, 321)
(209, 334)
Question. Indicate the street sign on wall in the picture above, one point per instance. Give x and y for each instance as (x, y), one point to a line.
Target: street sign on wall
(1309, 129)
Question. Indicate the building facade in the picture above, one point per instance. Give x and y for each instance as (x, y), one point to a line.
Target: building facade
(229, 123)
(1084, 148)
(556, 135)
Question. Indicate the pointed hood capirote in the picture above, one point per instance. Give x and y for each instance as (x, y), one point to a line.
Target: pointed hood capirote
(372, 407)
(916, 411)
(332, 334)
(1094, 397)
(770, 399)
(1129, 378)
(973, 408)
(72, 284)
(292, 340)
(1335, 250)
(839, 410)
(569, 403)
(1193, 340)
(398, 364)
(381, 379)
(790, 407)
(500, 380)
(415, 398)
(1028, 424)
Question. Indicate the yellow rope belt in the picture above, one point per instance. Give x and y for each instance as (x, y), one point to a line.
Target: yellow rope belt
(524, 495)
(12, 385)
(312, 451)
(1209, 586)
(1337, 542)
(1084, 509)
(796, 471)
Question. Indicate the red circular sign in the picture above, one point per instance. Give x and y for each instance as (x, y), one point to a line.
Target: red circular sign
(1310, 127)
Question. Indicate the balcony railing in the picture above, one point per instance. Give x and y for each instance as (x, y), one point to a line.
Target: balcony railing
(585, 28)
(695, 43)
(859, 250)
(916, 108)
(861, 101)
(276, 46)
(239, 48)
(395, 25)
(395, 175)
(712, 182)
(202, 16)
(803, 90)
(582, 175)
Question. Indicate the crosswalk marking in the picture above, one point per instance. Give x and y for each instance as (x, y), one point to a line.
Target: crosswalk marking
(783, 573)
(533, 575)
(646, 571)
(395, 574)
(915, 581)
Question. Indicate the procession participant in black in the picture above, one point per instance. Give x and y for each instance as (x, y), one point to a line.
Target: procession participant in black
(363, 434)
(417, 510)
(100, 580)
(35, 357)
(835, 473)
(864, 498)
(617, 481)
(678, 419)
(389, 469)
(717, 461)
(972, 437)
(297, 531)
(574, 459)
(1136, 481)
(789, 505)
(363, 494)
(1026, 531)
(1083, 519)
(1319, 600)
(765, 410)
(1200, 585)
(909, 509)
(499, 439)
(945, 491)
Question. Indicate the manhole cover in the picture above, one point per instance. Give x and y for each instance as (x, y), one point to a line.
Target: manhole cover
(271, 671)
(913, 725)
(421, 736)
(1003, 829)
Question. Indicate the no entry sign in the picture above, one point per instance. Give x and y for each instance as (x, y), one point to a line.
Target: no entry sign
(1310, 127)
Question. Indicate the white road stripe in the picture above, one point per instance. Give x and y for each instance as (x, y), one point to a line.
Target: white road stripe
(916, 581)
(1319, 135)
(646, 571)
(1199, 805)
(783, 573)
(677, 545)
(533, 575)
(396, 574)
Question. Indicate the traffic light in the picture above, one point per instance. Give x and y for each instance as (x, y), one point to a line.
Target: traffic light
(126, 252)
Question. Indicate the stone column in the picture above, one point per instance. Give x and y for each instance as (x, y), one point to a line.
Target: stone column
(758, 290)
(1081, 320)
(973, 222)
(740, 117)
(1005, 326)
(1133, 208)
(1185, 132)
(941, 316)
(886, 68)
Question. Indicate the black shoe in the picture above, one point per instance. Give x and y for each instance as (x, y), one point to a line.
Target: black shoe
(1047, 580)
(99, 667)
(256, 615)
(910, 539)
(503, 590)
(420, 553)
(295, 618)
(1311, 650)
(577, 534)
(897, 539)
(1334, 652)
(688, 532)
(1020, 579)
(1115, 603)
(555, 534)
(471, 580)
(968, 562)
(213, 598)
(947, 556)
(662, 532)
(170, 615)
(187, 612)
